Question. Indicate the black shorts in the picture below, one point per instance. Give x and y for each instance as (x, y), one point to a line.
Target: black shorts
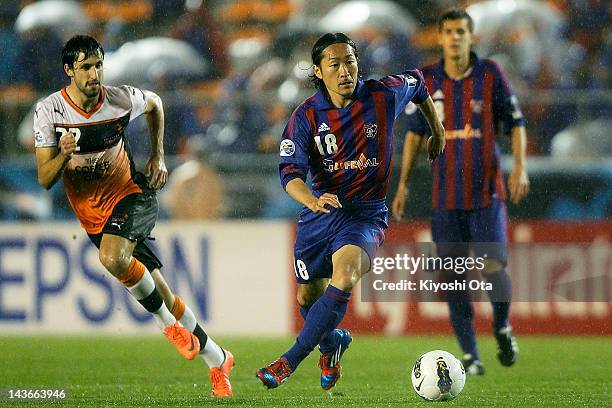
(134, 217)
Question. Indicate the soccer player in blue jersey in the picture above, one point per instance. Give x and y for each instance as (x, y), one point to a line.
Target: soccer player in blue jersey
(343, 137)
(476, 103)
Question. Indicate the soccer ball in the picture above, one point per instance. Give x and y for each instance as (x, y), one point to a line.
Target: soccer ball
(438, 376)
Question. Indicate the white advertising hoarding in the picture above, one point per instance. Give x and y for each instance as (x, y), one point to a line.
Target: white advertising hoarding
(234, 275)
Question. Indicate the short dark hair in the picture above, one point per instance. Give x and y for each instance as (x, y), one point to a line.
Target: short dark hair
(324, 42)
(80, 44)
(455, 14)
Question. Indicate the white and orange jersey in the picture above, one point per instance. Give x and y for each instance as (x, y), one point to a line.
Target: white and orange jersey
(99, 174)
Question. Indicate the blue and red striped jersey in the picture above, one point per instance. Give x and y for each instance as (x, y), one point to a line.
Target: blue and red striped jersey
(348, 151)
(474, 110)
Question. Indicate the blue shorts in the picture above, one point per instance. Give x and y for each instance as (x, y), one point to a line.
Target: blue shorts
(485, 228)
(319, 235)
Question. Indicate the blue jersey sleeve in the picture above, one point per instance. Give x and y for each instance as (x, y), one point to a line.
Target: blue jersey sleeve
(294, 159)
(415, 121)
(407, 86)
(506, 109)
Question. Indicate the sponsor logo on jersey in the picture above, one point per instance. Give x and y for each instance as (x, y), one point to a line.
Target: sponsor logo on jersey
(93, 171)
(287, 148)
(361, 164)
(370, 130)
(468, 132)
(323, 127)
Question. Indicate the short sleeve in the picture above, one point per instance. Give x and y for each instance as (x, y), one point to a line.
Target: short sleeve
(44, 130)
(138, 100)
(294, 159)
(407, 86)
(414, 121)
(506, 108)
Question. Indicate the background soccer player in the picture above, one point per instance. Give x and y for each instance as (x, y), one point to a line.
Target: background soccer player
(476, 103)
(343, 136)
(80, 135)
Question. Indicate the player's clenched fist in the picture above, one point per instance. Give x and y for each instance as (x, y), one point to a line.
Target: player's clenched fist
(156, 172)
(67, 144)
(435, 145)
(327, 199)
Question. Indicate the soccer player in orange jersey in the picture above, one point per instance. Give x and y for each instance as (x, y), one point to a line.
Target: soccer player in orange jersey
(80, 136)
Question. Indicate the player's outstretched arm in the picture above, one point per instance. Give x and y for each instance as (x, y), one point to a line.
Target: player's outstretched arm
(436, 143)
(299, 191)
(155, 170)
(412, 145)
(50, 161)
(518, 182)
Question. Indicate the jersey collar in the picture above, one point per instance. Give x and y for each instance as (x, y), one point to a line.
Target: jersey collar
(81, 111)
(475, 64)
(321, 102)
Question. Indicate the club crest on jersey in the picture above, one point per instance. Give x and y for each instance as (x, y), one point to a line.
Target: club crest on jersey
(370, 130)
(39, 137)
(323, 127)
(476, 105)
(287, 148)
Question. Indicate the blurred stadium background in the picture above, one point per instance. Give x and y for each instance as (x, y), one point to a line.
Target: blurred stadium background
(229, 73)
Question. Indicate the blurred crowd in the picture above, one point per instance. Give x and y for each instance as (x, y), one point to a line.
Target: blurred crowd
(230, 72)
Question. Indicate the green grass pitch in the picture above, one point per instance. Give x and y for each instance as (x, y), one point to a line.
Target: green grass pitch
(126, 371)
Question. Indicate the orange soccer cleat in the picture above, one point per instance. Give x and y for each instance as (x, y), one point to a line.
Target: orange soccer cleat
(185, 342)
(219, 377)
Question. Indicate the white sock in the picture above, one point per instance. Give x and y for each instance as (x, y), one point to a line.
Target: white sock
(163, 317)
(188, 319)
(212, 354)
(143, 288)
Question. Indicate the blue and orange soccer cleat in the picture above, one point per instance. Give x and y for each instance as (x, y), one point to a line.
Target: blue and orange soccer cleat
(185, 342)
(330, 363)
(219, 377)
(275, 374)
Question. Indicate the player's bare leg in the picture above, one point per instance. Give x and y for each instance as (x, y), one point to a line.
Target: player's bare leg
(350, 264)
(220, 361)
(116, 256)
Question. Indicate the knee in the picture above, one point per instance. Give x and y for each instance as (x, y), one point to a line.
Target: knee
(492, 266)
(346, 277)
(115, 263)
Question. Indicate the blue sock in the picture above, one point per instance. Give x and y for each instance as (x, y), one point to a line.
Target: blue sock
(324, 315)
(461, 314)
(500, 297)
(329, 340)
